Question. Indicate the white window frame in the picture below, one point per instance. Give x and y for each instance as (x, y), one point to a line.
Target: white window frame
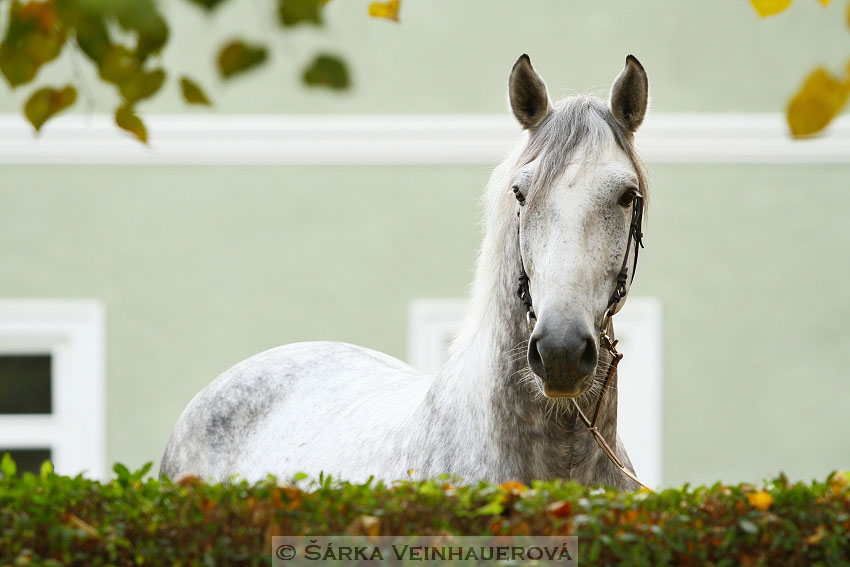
(72, 333)
(638, 328)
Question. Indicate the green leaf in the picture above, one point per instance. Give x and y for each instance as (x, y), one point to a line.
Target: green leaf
(141, 85)
(46, 470)
(207, 4)
(294, 12)
(46, 103)
(327, 71)
(237, 57)
(89, 28)
(192, 92)
(494, 508)
(127, 119)
(121, 471)
(117, 64)
(33, 37)
(140, 474)
(7, 466)
(142, 17)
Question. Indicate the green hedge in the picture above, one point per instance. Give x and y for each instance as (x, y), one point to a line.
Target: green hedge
(49, 519)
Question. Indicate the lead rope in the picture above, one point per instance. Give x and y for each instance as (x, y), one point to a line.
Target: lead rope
(606, 341)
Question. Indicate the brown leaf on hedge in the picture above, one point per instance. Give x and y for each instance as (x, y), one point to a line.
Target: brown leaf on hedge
(327, 71)
(560, 509)
(48, 102)
(237, 57)
(294, 12)
(127, 119)
(818, 101)
(365, 526)
(188, 480)
(387, 10)
(84, 526)
(815, 538)
(33, 37)
(192, 92)
(770, 7)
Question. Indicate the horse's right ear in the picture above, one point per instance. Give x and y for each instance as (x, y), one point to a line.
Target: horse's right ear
(529, 98)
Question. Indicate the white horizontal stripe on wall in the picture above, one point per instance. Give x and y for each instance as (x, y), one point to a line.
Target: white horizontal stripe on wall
(393, 139)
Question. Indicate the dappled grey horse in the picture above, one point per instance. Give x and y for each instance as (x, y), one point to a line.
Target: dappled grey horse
(558, 212)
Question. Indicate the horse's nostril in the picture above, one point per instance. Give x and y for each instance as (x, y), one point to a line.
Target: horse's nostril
(535, 361)
(588, 358)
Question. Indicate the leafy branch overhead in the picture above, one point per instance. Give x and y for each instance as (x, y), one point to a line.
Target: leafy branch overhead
(37, 31)
(823, 95)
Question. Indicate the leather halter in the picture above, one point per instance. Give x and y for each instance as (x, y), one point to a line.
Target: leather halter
(524, 293)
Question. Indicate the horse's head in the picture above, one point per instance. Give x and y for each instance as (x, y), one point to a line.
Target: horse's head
(578, 181)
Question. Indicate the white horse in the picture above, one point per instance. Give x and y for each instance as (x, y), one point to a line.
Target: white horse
(499, 409)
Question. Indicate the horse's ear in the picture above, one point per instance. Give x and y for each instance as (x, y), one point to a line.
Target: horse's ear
(529, 99)
(630, 95)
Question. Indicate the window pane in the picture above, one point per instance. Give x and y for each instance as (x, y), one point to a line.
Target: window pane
(28, 460)
(25, 384)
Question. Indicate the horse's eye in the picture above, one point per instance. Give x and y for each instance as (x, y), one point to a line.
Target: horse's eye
(628, 197)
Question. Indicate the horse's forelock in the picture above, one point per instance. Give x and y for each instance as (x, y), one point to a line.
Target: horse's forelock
(582, 123)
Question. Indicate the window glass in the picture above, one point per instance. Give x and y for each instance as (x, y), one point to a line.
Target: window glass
(25, 384)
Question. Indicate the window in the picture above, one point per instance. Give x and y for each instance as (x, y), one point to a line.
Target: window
(52, 385)
(638, 328)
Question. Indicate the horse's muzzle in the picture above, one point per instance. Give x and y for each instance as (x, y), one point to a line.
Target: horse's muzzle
(565, 361)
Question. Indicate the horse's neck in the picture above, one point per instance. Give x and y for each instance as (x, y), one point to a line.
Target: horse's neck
(485, 389)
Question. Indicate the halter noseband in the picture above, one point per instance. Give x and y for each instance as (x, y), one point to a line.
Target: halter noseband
(524, 293)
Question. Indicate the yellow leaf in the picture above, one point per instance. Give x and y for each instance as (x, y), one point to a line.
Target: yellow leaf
(388, 10)
(820, 533)
(513, 487)
(770, 7)
(817, 102)
(848, 15)
(760, 500)
(824, 2)
(839, 481)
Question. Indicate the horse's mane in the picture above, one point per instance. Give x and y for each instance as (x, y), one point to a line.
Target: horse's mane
(577, 125)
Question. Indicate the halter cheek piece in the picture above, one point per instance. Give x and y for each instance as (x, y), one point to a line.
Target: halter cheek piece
(524, 293)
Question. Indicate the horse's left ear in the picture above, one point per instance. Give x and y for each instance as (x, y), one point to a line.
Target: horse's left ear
(630, 95)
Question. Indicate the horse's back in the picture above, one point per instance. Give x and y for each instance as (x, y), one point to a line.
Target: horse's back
(279, 411)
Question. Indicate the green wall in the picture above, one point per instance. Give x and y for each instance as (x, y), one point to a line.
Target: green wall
(203, 266)
(454, 56)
